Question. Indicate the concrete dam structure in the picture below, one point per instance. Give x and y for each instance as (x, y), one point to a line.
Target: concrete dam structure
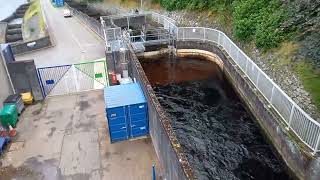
(293, 134)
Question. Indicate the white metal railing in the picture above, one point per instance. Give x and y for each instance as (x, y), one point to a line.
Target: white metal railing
(168, 23)
(306, 128)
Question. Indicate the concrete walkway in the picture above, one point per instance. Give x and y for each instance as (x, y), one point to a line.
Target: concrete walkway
(66, 137)
(74, 42)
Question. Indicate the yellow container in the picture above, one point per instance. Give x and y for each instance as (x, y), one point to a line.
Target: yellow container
(27, 98)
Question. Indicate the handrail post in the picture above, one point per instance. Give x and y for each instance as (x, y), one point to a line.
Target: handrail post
(272, 92)
(257, 83)
(183, 34)
(204, 33)
(291, 115)
(247, 62)
(317, 145)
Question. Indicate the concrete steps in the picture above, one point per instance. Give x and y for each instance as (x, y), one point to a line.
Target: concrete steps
(14, 31)
(14, 38)
(14, 26)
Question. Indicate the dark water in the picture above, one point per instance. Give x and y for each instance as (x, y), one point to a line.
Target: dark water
(219, 137)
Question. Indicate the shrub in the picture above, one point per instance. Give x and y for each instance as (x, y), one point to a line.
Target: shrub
(258, 20)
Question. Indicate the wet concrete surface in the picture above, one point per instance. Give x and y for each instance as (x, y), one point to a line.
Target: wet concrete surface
(66, 137)
(221, 139)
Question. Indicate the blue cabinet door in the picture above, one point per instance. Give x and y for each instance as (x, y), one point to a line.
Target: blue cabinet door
(128, 122)
(118, 125)
(137, 108)
(138, 117)
(116, 112)
(118, 135)
(139, 131)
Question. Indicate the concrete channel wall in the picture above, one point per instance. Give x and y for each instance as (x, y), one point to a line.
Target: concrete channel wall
(301, 164)
(173, 161)
(6, 88)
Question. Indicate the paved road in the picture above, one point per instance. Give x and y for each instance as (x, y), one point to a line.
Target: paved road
(74, 42)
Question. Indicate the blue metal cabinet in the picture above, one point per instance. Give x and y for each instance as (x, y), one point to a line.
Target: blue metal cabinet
(58, 3)
(127, 112)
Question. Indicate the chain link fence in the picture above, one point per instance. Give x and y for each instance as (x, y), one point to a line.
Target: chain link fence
(297, 120)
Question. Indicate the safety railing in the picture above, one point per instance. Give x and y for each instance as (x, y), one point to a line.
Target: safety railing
(92, 23)
(297, 120)
(168, 23)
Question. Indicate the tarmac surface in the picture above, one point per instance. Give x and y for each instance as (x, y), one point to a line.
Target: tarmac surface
(66, 137)
(73, 41)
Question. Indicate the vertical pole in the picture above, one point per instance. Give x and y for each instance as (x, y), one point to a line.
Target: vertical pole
(128, 22)
(141, 4)
(177, 32)
(237, 56)
(317, 146)
(204, 33)
(183, 34)
(291, 115)
(153, 172)
(75, 78)
(246, 63)
(258, 79)
(219, 39)
(106, 71)
(272, 92)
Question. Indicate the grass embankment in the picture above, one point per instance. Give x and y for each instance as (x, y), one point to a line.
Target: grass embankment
(34, 10)
(311, 80)
(309, 75)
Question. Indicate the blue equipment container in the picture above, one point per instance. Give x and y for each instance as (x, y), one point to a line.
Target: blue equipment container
(127, 112)
(58, 3)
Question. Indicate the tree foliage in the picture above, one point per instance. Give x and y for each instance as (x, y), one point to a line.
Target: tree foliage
(258, 20)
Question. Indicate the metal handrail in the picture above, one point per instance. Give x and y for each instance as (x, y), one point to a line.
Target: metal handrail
(306, 128)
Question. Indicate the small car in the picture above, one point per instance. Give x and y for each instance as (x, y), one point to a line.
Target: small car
(67, 13)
